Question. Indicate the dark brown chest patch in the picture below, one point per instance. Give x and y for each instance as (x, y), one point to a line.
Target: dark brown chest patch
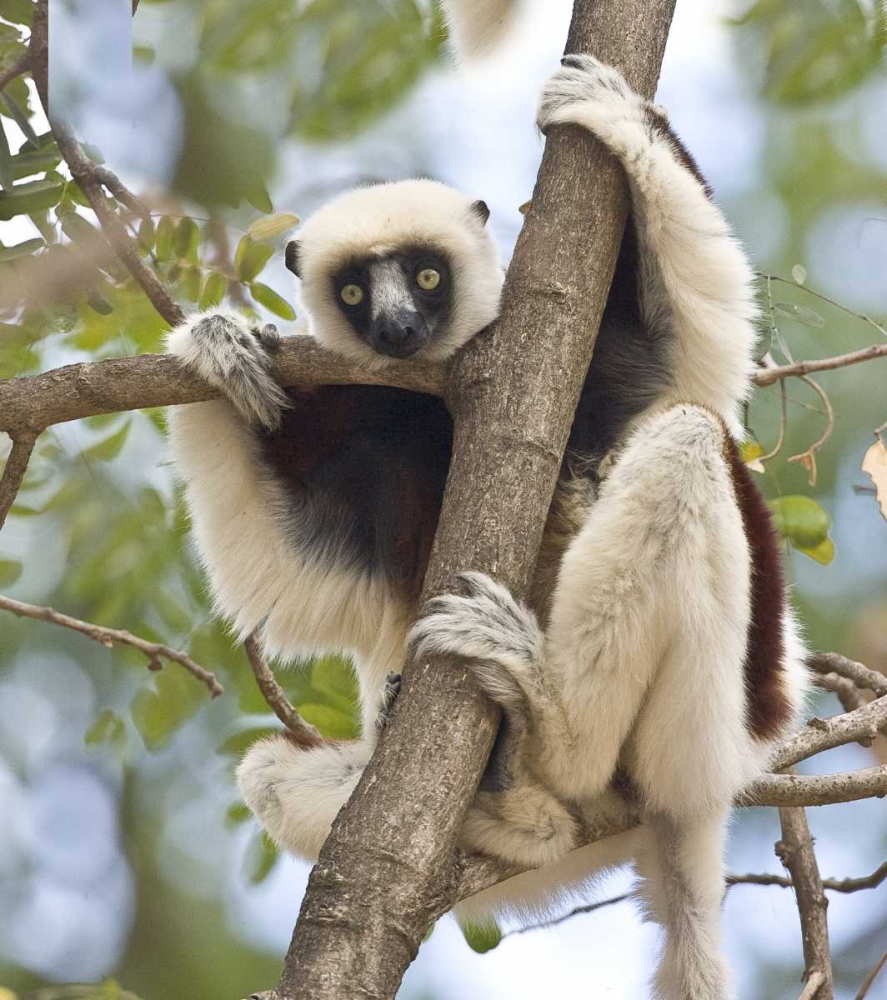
(768, 705)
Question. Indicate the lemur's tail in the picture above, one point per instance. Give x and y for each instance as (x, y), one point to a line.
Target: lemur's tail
(477, 25)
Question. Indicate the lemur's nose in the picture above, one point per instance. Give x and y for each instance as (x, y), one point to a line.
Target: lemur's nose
(401, 335)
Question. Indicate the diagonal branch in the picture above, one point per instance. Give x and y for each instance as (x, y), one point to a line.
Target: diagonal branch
(795, 850)
(23, 442)
(109, 637)
(389, 867)
(90, 178)
(303, 733)
(768, 376)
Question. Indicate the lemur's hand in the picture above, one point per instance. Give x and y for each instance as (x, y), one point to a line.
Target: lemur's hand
(587, 92)
(235, 358)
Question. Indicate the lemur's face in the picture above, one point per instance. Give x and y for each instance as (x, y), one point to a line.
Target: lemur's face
(396, 303)
(397, 271)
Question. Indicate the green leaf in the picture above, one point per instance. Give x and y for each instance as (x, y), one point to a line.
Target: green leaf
(259, 198)
(331, 722)
(79, 230)
(5, 160)
(823, 553)
(158, 714)
(23, 199)
(261, 857)
(333, 677)
(214, 289)
(163, 243)
(185, 239)
(250, 257)
(802, 314)
(270, 226)
(107, 728)
(35, 161)
(21, 249)
(801, 520)
(10, 571)
(146, 234)
(99, 303)
(238, 743)
(22, 120)
(271, 300)
(190, 283)
(481, 937)
(110, 447)
(17, 11)
(237, 813)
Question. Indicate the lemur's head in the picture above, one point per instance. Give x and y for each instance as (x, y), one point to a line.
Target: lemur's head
(397, 270)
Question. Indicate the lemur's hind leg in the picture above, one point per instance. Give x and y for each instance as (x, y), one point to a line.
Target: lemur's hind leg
(695, 281)
(642, 664)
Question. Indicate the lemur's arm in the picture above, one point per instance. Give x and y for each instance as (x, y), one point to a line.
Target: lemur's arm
(695, 281)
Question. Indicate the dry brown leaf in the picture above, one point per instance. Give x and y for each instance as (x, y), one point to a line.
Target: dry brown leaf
(875, 464)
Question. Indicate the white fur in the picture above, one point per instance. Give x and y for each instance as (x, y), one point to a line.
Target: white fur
(694, 262)
(376, 220)
(258, 574)
(478, 26)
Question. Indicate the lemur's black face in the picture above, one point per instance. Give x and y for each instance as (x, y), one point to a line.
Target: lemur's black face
(396, 303)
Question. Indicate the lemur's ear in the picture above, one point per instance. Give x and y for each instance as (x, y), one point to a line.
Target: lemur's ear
(480, 209)
(292, 257)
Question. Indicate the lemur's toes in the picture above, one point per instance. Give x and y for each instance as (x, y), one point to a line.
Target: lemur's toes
(393, 684)
(268, 336)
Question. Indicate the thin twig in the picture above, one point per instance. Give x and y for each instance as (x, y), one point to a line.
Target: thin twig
(825, 298)
(305, 735)
(795, 851)
(109, 637)
(872, 881)
(121, 192)
(836, 885)
(15, 70)
(846, 691)
(783, 424)
(808, 458)
(871, 977)
(767, 376)
(23, 442)
(564, 917)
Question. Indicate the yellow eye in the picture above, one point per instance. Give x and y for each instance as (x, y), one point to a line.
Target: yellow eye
(428, 279)
(351, 295)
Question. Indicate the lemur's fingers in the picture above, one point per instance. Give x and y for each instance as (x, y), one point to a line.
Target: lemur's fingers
(587, 92)
(489, 627)
(236, 359)
(393, 683)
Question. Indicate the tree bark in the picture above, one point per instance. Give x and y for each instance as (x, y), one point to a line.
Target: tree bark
(390, 867)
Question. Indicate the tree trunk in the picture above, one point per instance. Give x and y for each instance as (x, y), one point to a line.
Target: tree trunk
(389, 867)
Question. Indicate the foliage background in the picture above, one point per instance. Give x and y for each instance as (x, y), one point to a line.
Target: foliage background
(122, 848)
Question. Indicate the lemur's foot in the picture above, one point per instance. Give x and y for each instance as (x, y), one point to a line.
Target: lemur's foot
(498, 634)
(390, 692)
(587, 92)
(237, 359)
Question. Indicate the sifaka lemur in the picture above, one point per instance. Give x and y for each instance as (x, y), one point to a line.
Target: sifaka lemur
(661, 648)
